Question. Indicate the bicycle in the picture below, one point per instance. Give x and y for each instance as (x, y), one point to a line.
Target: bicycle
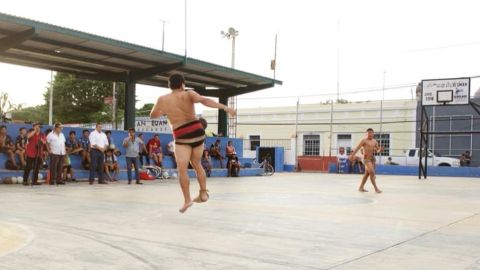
(268, 169)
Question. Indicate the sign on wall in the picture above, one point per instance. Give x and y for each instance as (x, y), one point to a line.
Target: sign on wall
(159, 125)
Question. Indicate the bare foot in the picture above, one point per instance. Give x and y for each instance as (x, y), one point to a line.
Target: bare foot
(378, 191)
(202, 197)
(185, 207)
(362, 190)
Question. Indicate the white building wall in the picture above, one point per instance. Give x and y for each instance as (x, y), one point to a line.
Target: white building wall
(399, 118)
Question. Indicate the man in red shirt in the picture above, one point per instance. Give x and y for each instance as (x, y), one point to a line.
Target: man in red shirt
(154, 148)
(36, 142)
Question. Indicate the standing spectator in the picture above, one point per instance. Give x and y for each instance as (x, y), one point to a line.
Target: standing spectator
(206, 164)
(143, 152)
(20, 144)
(233, 165)
(7, 147)
(132, 144)
(98, 145)
(56, 148)
(171, 152)
(71, 144)
(215, 152)
(111, 165)
(36, 142)
(84, 142)
(155, 149)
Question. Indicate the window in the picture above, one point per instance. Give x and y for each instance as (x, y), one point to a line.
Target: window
(311, 145)
(254, 142)
(345, 141)
(411, 153)
(383, 140)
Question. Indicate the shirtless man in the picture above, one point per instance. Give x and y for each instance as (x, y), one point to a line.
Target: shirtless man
(370, 146)
(188, 133)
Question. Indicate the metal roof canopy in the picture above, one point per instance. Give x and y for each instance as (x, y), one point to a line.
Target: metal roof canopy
(40, 45)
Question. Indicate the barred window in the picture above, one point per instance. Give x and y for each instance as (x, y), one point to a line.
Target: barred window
(311, 145)
(383, 140)
(254, 142)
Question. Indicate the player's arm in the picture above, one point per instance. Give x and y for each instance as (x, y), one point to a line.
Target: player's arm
(360, 145)
(157, 110)
(196, 98)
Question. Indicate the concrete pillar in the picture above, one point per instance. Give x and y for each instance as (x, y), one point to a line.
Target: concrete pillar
(129, 121)
(222, 118)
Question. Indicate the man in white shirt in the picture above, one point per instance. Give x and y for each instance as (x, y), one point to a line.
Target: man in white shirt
(56, 148)
(98, 145)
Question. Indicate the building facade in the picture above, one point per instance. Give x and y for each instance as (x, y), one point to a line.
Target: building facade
(320, 129)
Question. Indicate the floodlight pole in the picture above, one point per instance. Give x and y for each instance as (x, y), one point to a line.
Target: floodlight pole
(338, 61)
(185, 29)
(163, 34)
(231, 33)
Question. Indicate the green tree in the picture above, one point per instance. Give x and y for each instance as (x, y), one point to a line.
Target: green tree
(31, 114)
(82, 101)
(145, 110)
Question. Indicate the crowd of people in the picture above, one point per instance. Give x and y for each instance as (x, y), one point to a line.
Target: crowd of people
(233, 164)
(34, 149)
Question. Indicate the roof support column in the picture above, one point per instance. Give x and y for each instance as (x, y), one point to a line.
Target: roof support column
(129, 119)
(222, 117)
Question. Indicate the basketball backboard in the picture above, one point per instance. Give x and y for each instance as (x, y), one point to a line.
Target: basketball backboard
(446, 92)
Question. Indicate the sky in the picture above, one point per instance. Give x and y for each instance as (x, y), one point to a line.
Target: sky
(361, 45)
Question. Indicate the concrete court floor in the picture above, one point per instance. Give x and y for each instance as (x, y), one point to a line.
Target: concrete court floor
(287, 221)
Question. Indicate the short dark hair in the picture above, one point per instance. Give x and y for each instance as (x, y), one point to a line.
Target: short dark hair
(3, 126)
(85, 130)
(140, 134)
(72, 132)
(369, 129)
(22, 128)
(131, 129)
(108, 132)
(175, 81)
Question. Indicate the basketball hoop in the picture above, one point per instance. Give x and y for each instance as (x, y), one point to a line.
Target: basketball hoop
(444, 96)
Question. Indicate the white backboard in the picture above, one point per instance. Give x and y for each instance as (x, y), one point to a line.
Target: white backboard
(457, 90)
